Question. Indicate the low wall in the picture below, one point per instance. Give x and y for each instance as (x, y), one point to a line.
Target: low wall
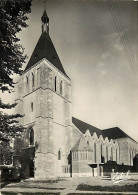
(108, 167)
(125, 168)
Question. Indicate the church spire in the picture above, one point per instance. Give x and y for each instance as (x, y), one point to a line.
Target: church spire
(45, 48)
(45, 21)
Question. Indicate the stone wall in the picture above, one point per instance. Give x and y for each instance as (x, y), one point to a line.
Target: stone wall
(76, 135)
(46, 105)
(128, 149)
(81, 168)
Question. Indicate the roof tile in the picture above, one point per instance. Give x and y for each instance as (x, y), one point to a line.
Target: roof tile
(45, 49)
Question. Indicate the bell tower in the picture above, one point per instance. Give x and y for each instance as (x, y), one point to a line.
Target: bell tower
(45, 100)
(45, 22)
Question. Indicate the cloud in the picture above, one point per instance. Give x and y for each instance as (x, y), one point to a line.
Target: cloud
(103, 72)
(118, 47)
(100, 64)
(114, 40)
(105, 55)
(100, 68)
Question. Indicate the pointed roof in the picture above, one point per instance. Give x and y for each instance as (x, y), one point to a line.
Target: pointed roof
(111, 133)
(45, 49)
(115, 133)
(88, 133)
(82, 126)
(81, 146)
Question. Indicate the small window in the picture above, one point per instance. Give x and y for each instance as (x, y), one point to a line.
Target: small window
(59, 155)
(26, 79)
(116, 155)
(130, 157)
(55, 83)
(73, 156)
(102, 157)
(32, 81)
(61, 88)
(107, 153)
(80, 156)
(31, 137)
(32, 106)
(77, 155)
(35, 56)
(101, 150)
(111, 153)
(95, 152)
(86, 156)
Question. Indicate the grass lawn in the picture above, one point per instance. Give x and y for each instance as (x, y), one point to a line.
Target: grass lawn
(48, 184)
(114, 188)
(95, 194)
(28, 193)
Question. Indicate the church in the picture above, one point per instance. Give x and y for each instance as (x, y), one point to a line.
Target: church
(55, 144)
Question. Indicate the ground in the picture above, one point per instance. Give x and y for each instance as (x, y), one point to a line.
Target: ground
(61, 186)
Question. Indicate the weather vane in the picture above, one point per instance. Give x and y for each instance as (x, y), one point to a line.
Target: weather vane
(45, 4)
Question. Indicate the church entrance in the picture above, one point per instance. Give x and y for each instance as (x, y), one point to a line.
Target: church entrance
(31, 168)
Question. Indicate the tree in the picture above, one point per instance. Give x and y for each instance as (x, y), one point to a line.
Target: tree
(13, 17)
(6, 153)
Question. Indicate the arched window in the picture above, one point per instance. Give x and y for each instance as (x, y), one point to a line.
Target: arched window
(76, 155)
(111, 153)
(130, 157)
(116, 155)
(32, 81)
(59, 155)
(55, 83)
(86, 155)
(101, 153)
(32, 106)
(31, 137)
(101, 150)
(26, 79)
(95, 152)
(61, 88)
(80, 156)
(107, 153)
(102, 157)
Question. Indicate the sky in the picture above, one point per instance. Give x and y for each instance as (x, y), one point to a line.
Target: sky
(96, 57)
